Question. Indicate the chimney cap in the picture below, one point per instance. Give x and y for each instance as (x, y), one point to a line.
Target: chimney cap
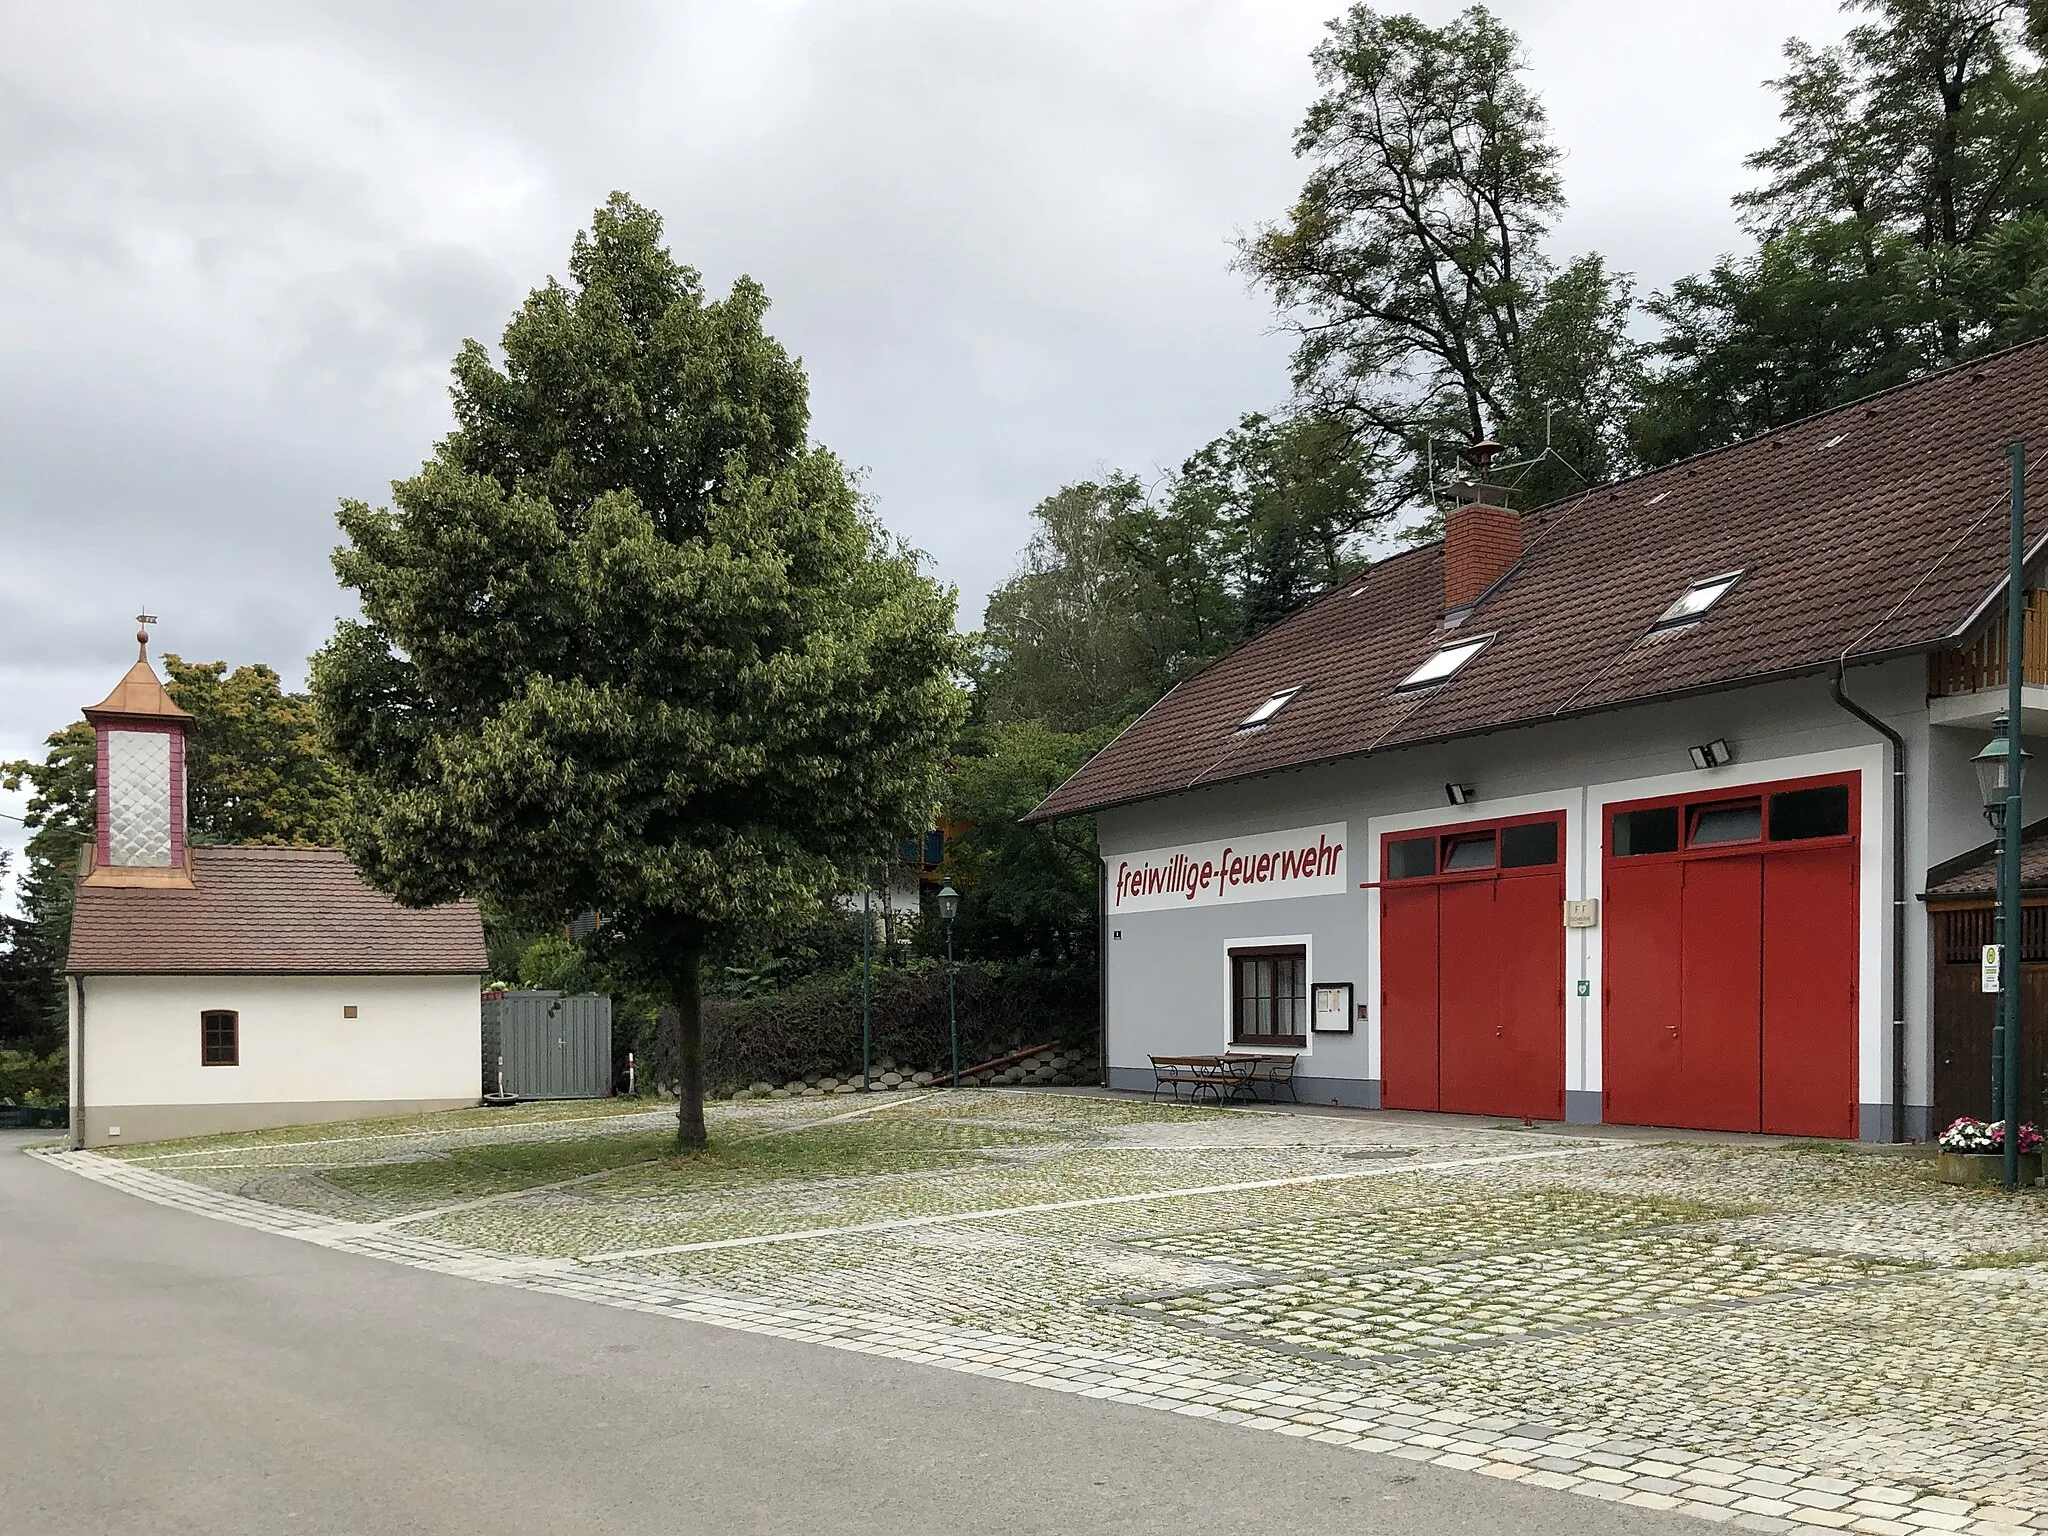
(1478, 493)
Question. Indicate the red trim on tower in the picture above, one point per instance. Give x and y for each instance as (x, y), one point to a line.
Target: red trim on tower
(103, 831)
(177, 807)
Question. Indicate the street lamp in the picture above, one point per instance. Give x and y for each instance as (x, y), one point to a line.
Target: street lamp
(1992, 765)
(867, 985)
(2001, 770)
(949, 908)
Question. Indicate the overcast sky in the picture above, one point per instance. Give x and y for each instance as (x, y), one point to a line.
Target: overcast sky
(239, 243)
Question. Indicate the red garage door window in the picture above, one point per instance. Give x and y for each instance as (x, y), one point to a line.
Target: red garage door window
(1472, 968)
(1730, 957)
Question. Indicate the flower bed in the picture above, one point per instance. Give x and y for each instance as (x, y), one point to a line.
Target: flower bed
(1967, 1135)
(1973, 1153)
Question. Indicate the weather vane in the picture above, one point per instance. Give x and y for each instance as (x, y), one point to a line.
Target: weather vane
(144, 620)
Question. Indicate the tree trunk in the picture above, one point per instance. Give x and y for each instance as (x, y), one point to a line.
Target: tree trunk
(688, 997)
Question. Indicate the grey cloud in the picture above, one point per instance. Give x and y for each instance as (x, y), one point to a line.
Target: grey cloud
(240, 242)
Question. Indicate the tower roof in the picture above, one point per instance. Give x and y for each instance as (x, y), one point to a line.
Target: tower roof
(140, 695)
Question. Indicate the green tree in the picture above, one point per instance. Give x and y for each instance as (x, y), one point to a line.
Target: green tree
(60, 824)
(1899, 223)
(1412, 269)
(1089, 629)
(1288, 502)
(1027, 892)
(629, 644)
(253, 762)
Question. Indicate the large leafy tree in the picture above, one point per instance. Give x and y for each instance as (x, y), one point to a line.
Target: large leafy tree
(1029, 892)
(1901, 219)
(630, 644)
(252, 758)
(1412, 267)
(24, 1014)
(1288, 502)
(1097, 620)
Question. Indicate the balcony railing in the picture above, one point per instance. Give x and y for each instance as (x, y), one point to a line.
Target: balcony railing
(1982, 666)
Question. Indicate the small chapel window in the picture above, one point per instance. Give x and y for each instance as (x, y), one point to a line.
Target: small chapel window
(220, 1038)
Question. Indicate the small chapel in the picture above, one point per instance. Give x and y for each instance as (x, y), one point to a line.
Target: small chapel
(240, 988)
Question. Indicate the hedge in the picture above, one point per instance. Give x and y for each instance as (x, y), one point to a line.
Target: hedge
(812, 1028)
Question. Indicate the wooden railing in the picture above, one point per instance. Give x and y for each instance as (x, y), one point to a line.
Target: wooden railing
(1982, 666)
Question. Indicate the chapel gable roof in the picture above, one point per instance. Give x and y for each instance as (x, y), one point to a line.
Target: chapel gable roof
(276, 911)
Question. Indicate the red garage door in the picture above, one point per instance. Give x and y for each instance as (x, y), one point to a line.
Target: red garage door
(1730, 954)
(1472, 969)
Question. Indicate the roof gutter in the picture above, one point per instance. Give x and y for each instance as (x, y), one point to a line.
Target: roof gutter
(1898, 756)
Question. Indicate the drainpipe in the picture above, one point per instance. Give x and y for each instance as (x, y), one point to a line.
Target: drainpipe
(78, 1069)
(1898, 754)
(1102, 966)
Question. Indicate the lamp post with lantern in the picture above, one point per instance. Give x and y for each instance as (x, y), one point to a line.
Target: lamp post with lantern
(2000, 787)
(949, 908)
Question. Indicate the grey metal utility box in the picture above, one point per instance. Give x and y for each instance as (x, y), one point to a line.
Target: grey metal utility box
(554, 1045)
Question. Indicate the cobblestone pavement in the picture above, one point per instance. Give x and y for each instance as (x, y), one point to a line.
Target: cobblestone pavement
(1780, 1338)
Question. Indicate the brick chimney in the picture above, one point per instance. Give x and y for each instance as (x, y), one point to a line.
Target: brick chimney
(1482, 534)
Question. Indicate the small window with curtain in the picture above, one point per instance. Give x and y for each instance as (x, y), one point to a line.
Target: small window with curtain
(220, 1038)
(1269, 996)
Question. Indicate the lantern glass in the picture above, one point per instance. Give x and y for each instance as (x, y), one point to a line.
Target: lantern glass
(949, 903)
(1990, 765)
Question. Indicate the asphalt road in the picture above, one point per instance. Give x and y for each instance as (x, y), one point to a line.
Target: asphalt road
(161, 1372)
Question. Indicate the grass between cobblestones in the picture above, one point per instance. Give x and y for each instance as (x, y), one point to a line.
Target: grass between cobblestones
(1816, 1309)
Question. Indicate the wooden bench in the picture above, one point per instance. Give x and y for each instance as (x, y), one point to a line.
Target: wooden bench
(1216, 1076)
(1272, 1072)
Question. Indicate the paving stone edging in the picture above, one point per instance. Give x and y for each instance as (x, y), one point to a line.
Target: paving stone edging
(1747, 1495)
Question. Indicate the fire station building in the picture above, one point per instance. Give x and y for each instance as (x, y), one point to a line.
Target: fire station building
(1617, 811)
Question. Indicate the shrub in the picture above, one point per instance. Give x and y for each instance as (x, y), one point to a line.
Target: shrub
(812, 1028)
(42, 1081)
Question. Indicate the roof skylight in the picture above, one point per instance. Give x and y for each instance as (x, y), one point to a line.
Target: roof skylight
(1443, 665)
(1269, 709)
(1695, 600)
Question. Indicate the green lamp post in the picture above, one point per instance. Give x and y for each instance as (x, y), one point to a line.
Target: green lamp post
(1997, 789)
(2001, 770)
(949, 908)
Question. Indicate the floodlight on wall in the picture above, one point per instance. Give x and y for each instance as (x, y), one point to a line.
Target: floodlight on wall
(1458, 794)
(1713, 754)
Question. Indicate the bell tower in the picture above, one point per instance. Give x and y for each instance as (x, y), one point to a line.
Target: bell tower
(139, 758)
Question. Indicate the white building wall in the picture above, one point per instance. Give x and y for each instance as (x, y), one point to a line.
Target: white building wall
(1164, 967)
(415, 1043)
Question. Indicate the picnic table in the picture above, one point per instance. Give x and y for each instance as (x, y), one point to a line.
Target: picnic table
(1233, 1075)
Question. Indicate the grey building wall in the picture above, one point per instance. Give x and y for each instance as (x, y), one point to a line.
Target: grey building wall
(1166, 987)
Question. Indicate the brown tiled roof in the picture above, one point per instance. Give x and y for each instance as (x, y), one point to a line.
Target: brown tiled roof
(1975, 874)
(1873, 529)
(271, 910)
